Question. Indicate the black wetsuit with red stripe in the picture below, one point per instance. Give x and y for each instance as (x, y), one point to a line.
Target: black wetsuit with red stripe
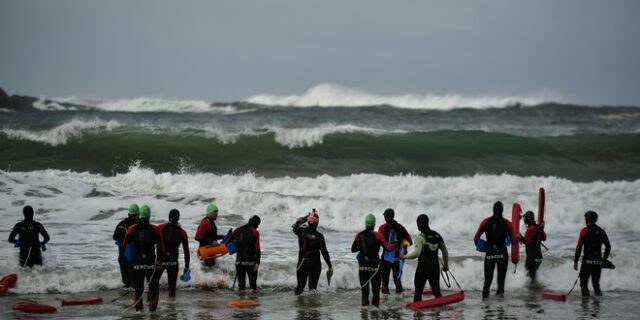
(311, 244)
(173, 237)
(247, 239)
(592, 237)
(533, 238)
(497, 230)
(367, 243)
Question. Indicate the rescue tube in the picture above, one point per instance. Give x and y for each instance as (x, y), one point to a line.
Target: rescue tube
(425, 292)
(217, 284)
(212, 251)
(242, 304)
(436, 302)
(34, 307)
(554, 296)
(515, 232)
(90, 300)
(540, 206)
(7, 282)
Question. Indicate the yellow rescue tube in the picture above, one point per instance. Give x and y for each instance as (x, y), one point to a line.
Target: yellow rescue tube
(242, 304)
(212, 251)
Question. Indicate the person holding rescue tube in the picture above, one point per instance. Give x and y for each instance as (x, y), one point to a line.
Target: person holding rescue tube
(533, 238)
(311, 244)
(247, 240)
(29, 232)
(367, 243)
(592, 237)
(426, 249)
(146, 253)
(118, 235)
(498, 232)
(207, 232)
(393, 232)
(173, 236)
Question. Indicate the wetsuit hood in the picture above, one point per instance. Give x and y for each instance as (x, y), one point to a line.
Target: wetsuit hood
(423, 223)
(389, 215)
(528, 218)
(497, 209)
(590, 216)
(254, 221)
(27, 211)
(174, 215)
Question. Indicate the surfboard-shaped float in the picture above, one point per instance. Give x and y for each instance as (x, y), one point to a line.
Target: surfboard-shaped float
(437, 302)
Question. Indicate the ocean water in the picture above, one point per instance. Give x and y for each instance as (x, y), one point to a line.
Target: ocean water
(343, 153)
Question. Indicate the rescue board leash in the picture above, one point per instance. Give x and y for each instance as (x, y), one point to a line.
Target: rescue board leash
(28, 256)
(454, 278)
(146, 286)
(373, 275)
(574, 284)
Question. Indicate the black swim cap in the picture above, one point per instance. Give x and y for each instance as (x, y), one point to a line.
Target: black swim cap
(423, 222)
(254, 221)
(528, 218)
(389, 213)
(27, 211)
(590, 216)
(497, 208)
(174, 215)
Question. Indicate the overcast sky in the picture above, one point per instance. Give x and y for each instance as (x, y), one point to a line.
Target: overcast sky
(587, 51)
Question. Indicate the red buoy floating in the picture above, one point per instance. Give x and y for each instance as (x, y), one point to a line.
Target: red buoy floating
(34, 308)
(242, 304)
(436, 302)
(90, 300)
(7, 282)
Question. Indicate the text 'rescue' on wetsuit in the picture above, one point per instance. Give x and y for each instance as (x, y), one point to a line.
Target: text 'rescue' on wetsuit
(367, 243)
(173, 237)
(497, 230)
(311, 244)
(28, 232)
(592, 237)
(393, 232)
(247, 240)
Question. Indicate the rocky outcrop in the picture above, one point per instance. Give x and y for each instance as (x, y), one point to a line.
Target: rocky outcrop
(15, 102)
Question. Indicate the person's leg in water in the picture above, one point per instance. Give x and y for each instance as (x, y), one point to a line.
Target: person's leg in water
(419, 281)
(154, 287)
(585, 273)
(253, 277)
(396, 280)
(595, 280)
(375, 288)
(503, 265)
(385, 270)
(138, 284)
(301, 275)
(172, 279)
(489, 266)
(433, 275)
(125, 272)
(241, 272)
(209, 263)
(314, 276)
(364, 283)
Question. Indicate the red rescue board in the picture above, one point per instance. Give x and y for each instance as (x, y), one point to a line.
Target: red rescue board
(91, 300)
(554, 296)
(436, 302)
(540, 206)
(7, 282)
(515, 231)
(34, 307)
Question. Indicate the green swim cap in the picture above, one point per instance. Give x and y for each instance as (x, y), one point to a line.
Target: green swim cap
(134, 210)
(145, 212)
(370, 220)
(211, 208)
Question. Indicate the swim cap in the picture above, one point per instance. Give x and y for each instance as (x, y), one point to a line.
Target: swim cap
(145, 212)
(528, 218)
(590, 216)
(313, 218)
(27, 211)
(370, 220)
(389, 213)
(423, 222)
(174, 215)
(212, 208)
(254, 221)
(497, 208)
(134, 210)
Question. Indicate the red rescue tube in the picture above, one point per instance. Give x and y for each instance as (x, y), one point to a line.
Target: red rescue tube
(90, 300)
(7, 282)
(540, 206)
(242, 304)
(436, 302)
(554, 296)
(34, 307)
(515, 231)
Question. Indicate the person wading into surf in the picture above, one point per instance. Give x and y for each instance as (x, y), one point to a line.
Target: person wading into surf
(247, 240)
(533, 238)
(592, 237)
(173, 237)
(394, 233)
(118, 235)
(207, 232)
(367, 243)
(29, 232)
(311, 244)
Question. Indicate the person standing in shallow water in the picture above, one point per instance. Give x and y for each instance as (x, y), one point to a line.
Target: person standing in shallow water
(394, 233)
(311, 244)
(498, 231)
(592, 238)
(247, 240)
(533, 238)
(426, 250)
(207, 232)
(173, 237)
(118, 235)
(367, 243)
(29, 232)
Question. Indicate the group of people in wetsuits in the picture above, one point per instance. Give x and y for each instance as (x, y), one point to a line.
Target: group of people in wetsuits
(146, 250)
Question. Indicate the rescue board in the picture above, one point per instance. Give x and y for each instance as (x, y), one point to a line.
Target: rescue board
(76, 302)
(541, 202)
(515, 232)
(34, 308)
(437, 302)
(7, 282)
(554, 296)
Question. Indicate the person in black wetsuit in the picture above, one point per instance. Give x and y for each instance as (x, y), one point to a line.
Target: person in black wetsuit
(118, 235)
(148, 253)
(207, 232)
(310, 243)
(533, 238)
(393, 232)
(173, 236)
(367, 243)
(426, 250)
(29, 232)
(592, 237)
(497, 230)
(247, 239)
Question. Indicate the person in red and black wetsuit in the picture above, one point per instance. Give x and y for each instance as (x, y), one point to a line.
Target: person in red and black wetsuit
(148, 253)
(311, 244)
(173, 236)
(592, 237)
(118, 235)
(207, 232)
(29, 232)
(498, 231)
(247, 239)
(533, 238)
(394, 233)
(367, 243)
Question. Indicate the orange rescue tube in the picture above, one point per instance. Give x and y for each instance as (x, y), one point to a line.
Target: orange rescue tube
(212, 251)
(242, 304)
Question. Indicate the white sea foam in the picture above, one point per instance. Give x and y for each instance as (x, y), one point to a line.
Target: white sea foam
(82, 257)
(331, 95)
(61, 134)
(141, 104)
